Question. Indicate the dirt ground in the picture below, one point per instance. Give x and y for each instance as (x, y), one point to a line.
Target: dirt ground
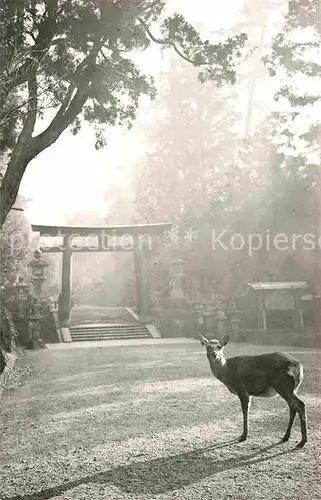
(149, 422)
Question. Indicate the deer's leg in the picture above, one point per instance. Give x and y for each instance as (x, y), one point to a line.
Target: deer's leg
(298, 404)
(245, 403)
(286, 436)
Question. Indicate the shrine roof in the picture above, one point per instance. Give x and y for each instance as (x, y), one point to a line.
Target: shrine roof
(279, 285)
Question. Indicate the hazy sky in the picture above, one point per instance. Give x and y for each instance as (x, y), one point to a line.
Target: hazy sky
(71, 175)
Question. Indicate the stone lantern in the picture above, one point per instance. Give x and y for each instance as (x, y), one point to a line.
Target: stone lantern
(38, 265)
(19, 296)
(20, 288)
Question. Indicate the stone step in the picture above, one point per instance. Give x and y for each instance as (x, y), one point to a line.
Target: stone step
(110, 335)
(95, 331)
(90, 323)
(100, 319)
(120, 326)
(92, 333)
(103, 330)
(88, 315)
(108, 331)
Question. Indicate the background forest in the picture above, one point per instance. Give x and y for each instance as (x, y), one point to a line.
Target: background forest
(240, 158)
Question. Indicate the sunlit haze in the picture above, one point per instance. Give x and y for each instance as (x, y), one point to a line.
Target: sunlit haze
(72, 176)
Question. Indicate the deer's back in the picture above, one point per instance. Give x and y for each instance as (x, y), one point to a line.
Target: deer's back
(259, 374)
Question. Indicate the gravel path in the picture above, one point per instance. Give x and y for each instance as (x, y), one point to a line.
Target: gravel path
(147, 422)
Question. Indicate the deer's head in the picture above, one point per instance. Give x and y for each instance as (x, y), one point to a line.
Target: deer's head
(214, 348)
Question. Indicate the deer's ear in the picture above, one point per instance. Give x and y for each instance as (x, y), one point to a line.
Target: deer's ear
(203, 340)
(224, 340)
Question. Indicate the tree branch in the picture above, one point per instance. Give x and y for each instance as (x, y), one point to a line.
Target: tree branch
(30, 121)
(169, 43)
(71, 106)
(125, 77)
(6, 116)
(60, 122)
(68, 111)
(21, 154)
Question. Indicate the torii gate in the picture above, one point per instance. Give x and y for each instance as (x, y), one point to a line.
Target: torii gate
(106, 239)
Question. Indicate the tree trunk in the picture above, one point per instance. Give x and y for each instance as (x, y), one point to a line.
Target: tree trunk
(10, 186)
(27, 148)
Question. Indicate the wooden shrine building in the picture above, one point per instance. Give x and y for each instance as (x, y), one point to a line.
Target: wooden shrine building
(279, 304)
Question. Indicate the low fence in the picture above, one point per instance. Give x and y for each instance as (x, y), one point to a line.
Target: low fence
(309, 337)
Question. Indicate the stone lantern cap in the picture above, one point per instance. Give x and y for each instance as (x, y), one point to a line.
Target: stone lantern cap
(38, 260)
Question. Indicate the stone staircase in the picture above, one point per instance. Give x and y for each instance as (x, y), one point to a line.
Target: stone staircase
(105, 323)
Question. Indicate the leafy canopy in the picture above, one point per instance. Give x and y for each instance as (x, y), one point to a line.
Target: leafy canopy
(75, 55)
(72, 58)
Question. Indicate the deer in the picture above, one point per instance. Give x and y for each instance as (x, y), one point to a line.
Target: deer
(262, 375)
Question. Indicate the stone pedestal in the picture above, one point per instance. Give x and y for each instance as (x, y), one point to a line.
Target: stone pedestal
(34, 331)
(213, 322)
(175, 316)
(65, 334)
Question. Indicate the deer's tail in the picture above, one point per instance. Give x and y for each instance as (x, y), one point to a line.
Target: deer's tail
(295, 370)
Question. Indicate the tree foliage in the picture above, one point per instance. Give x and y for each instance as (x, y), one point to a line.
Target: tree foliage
(295, 56)
(71, 60)
(191, 150)
(199, 173)
(15, 237)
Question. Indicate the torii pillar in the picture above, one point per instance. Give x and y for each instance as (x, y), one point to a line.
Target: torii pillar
(64, 305)
(140, 280)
